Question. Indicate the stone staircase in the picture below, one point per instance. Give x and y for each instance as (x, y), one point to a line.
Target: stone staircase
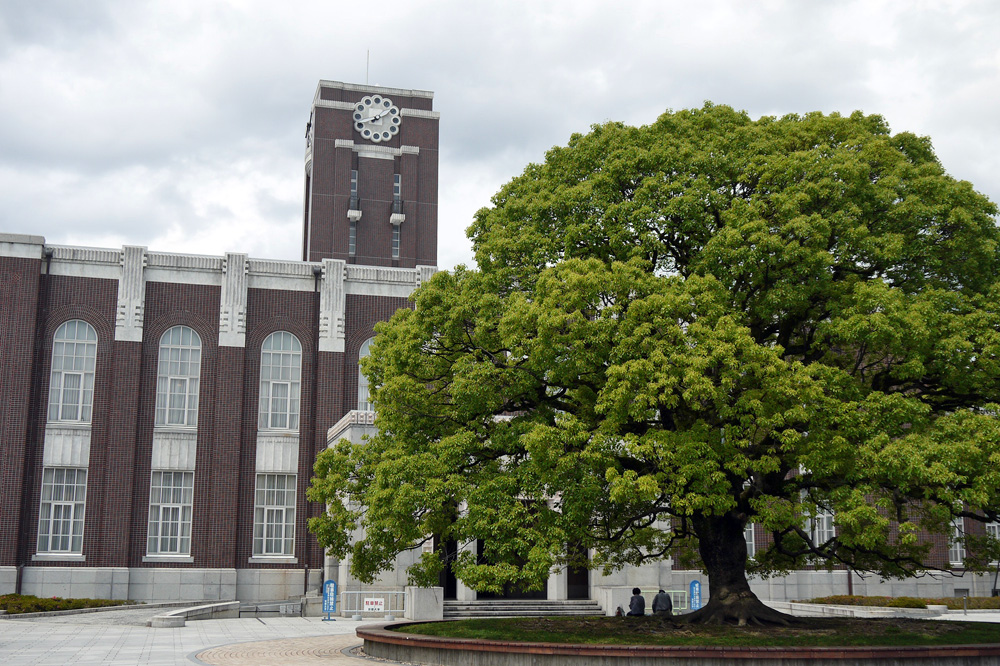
(454, 610)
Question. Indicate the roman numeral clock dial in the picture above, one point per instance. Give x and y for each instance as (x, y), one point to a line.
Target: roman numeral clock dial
(376, 118)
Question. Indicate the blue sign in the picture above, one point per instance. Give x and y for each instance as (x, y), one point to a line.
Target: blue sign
(330, 596)
(694, 595)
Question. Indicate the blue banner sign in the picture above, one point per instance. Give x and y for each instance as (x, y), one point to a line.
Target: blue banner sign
(694, 594)
(330, 596)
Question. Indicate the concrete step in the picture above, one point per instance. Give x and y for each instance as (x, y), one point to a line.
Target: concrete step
(520, 608)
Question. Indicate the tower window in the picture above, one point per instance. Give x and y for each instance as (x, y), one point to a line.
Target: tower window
(352, 239)
(353, 205)
(395, 241)
(397, 186)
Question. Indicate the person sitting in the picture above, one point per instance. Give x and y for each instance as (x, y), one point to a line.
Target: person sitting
(663, 604)
(637, 604)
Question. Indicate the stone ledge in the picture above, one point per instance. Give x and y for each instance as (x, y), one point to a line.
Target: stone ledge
(177, 618)
(385, 644)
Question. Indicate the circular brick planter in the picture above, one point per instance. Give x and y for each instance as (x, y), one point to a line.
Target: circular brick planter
(414, 648)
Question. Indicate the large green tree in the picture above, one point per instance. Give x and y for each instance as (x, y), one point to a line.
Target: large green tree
(679, 329)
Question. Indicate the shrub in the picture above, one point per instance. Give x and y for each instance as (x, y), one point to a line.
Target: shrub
(16, 604)
(953, 603)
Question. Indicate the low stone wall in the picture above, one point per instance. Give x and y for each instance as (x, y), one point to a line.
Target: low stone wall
(414, 648)
(179, 617)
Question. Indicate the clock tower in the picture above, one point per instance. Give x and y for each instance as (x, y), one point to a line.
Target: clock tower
(371, 176)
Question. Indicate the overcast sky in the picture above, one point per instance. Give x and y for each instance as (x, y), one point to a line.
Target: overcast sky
(179, 125)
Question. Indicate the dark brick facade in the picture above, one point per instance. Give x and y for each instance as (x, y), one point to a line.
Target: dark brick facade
(41, 287)
(336, 149)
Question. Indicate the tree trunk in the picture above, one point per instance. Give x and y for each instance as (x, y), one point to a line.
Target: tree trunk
(723, 550)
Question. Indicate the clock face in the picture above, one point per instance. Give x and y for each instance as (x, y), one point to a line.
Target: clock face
(376, 118)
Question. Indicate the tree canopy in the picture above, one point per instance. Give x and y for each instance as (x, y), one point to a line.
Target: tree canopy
(679, 329)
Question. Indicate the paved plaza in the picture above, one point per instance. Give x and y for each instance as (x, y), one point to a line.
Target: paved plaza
(122, 637)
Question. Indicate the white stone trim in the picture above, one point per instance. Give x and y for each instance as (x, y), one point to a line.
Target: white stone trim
(356, 418)
(353, 214)
(233, 300)
(168, 559)
(381, 274)
(397, 219)
(90, 262)
(333, 104)
(131, 294)
(331, 306)
(425, 273)
(283, 275)
(22, 246)
(174, 449)
(277, 453)
(371, 150)
(421, 113)
(66, 445)
(364, 87)
(58, 557)
(273, 559)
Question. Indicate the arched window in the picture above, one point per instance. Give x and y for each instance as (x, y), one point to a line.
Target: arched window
(280, 377)
(177, 378)
(364, 398)
(71, 388)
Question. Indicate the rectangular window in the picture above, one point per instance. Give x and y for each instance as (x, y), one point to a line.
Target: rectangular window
(395, 241)
(274, 515)
(60, 517)
(397, 186)
(956, 545)
(352, 239)
(72, 396)
(279, 404)
(354, 182)
(751, 542)
(993, 530)
(170, 498)
(822, 528)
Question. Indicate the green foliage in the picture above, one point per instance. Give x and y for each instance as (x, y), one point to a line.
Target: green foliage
(679, 329)
(651, 630)
(16, 604)
(953, 603)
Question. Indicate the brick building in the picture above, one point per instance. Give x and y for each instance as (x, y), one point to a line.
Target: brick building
(160, 413)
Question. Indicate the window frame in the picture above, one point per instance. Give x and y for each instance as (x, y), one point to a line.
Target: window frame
(956, 543)
(83, 362)
(77, 506)
(750, 537)
(184, 489)
(364, 388)
(173, 358)
(287, 364)
(274, 515)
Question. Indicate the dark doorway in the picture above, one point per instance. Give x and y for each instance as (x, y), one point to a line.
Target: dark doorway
(509, 591)
(447, 551)
(577, 577)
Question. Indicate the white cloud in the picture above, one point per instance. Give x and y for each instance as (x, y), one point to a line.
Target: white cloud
(178, 125)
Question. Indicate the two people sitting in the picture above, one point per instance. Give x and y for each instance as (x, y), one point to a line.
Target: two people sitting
(662, 604)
